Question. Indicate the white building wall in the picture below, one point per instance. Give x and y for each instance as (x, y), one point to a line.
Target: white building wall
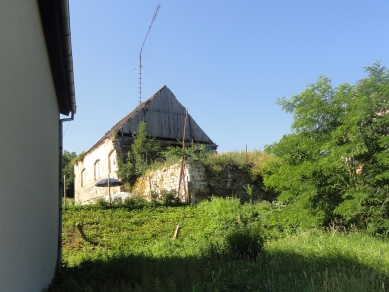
(86, 192)
(29, 152)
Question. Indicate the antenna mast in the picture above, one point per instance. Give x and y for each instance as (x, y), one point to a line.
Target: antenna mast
(140, 56)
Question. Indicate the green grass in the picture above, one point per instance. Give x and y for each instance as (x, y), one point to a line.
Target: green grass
(239, 158)
(133, 250)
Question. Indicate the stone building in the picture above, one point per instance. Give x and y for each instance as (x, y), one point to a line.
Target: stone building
(165, 121)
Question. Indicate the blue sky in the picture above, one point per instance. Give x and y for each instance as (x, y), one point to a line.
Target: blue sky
(226, 61)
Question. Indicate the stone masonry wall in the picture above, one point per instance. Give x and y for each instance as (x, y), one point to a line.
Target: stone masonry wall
(193, 183)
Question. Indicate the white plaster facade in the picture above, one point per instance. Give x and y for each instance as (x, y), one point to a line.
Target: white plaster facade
(95, 166)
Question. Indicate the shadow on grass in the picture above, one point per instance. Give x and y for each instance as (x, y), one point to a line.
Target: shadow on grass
(277, 271)
(124, 206)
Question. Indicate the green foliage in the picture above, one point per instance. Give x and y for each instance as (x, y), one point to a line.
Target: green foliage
(249, 189)
(244, 242)
(196, 151)
(68, 170)
(335, 161)
(78, 158)
(102, 203)
(249, 163)
(164, 198)
(146, 155)
(256, 157)
(233, 230)
(169, 198)
(144, 152)
(135, 202)
(133, 250)
(144, 149)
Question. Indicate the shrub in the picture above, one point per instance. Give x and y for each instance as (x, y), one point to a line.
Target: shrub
(244, 242)
(169, 198)
(102, 203)
(135, 202)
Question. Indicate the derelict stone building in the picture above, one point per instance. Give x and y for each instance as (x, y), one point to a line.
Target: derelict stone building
(164, 117)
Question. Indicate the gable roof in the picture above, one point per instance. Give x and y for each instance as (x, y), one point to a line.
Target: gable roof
(164, 116)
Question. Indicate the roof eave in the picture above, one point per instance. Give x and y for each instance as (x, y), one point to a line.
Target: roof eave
(56, 26)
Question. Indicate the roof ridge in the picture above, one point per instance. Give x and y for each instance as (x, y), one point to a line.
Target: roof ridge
(125, 119)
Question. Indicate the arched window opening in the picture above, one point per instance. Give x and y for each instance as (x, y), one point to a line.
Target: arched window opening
(97, 169)
(83, 177)
(112, 161)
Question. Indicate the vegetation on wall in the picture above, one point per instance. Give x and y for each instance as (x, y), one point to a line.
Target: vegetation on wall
(243, 169)
(144, 152)
(334, 166)
(238, 174)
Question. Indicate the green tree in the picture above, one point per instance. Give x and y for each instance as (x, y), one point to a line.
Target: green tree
(144, 151)
(335, 163)
(68, 171)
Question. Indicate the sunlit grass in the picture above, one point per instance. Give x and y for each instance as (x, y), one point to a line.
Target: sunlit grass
(257, 157)
(133, 250)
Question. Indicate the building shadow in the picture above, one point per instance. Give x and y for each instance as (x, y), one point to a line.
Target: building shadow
(276, 271)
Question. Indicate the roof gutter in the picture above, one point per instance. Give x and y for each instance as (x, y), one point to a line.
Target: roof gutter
(68, 55)
(69, 77)
(56, 27)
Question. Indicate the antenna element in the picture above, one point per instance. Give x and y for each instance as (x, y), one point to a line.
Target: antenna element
(140, 56)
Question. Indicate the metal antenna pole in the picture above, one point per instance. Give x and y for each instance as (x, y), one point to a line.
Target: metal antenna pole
(140, 56)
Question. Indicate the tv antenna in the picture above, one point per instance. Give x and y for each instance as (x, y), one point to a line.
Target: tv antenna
(140, 56)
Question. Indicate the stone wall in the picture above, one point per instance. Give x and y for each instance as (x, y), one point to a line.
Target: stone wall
(233, 181)
(193, 181)
(197, 183)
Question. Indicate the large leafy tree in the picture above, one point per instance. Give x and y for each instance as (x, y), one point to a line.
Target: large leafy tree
(335, 163)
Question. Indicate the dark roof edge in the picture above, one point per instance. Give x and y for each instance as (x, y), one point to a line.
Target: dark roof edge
(56, 26)
(124, 120)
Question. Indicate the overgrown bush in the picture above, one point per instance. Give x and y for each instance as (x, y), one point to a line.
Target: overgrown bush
(169, 198)
(102, 203)
(244, 242)
(233, 230)
(135, 202)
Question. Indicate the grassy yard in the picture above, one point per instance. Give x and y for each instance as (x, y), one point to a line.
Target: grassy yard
(130, 248)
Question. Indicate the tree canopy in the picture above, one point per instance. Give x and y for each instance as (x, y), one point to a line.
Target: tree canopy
(68, 170)
(334, 165)
(144, 151)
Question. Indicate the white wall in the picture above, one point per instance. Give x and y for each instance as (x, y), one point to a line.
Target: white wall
(29, 153)
(89, 193)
